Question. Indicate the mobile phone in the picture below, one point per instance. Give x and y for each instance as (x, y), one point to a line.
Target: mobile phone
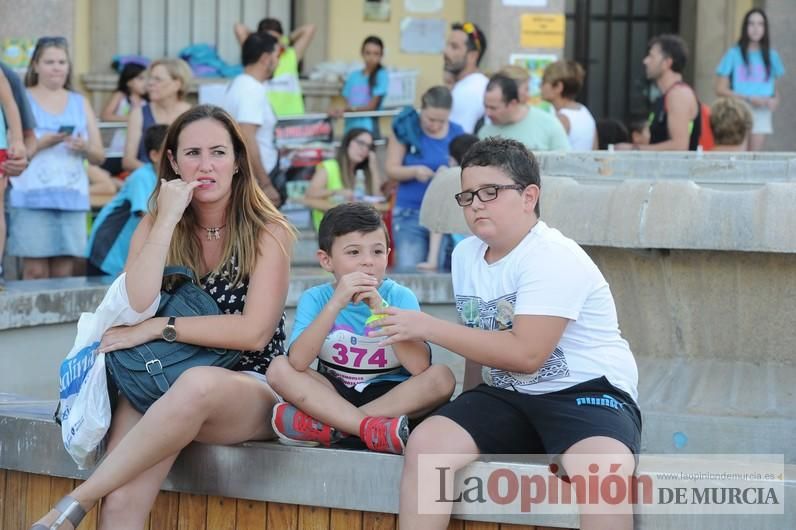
(66, 129)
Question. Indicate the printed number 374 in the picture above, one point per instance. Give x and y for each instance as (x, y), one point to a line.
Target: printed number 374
(345, 356)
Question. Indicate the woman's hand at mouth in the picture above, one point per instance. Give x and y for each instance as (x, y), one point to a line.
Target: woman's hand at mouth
(174, 197)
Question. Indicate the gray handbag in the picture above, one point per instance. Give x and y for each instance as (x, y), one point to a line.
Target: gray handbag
(144, 373)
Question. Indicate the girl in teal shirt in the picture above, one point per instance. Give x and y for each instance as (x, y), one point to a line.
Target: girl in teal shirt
(749, 71)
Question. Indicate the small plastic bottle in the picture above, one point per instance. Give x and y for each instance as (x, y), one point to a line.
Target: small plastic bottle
(359, 185)
(371, 324)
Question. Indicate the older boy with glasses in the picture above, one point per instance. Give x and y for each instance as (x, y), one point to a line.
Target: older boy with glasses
(536, 313)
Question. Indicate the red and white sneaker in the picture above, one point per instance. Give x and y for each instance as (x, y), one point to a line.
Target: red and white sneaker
(385, 435)
(294, 427)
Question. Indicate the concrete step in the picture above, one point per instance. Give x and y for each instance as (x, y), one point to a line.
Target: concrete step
(304, 251)
(307, 242)
(364, 480)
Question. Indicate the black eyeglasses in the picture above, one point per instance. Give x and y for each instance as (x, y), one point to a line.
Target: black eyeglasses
(484, 193)
(363, 143)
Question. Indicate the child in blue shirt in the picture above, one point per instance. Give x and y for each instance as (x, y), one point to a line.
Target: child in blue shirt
(366, 89)
(110, 236)
(360, 387)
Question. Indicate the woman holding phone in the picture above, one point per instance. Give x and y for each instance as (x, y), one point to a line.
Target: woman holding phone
(49, 200)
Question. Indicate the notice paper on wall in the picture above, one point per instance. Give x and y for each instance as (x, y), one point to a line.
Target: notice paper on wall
(542, 30)
(423, 35)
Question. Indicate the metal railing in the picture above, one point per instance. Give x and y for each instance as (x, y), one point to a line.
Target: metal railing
(119, 125)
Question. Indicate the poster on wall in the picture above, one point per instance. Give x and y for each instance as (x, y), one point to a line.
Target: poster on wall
(542, 30)
(376, 10)
(535, 63)
(423, 35)
(423, 6)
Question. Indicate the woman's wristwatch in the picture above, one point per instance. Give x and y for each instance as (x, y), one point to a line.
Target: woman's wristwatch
(169, 333)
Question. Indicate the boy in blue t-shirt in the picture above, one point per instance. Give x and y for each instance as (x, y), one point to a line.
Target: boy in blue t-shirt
(111, 232)
(361, 386)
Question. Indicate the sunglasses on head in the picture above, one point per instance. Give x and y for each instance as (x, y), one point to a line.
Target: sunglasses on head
(45, 41)
(470, 29)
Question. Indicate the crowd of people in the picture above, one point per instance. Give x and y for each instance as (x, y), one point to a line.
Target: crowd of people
(534, 310)
(417, 143)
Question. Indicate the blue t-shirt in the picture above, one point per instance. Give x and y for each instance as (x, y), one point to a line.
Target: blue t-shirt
(751, 80)
(348, 353)
(113, 229)
(433, 154)
(357, 93)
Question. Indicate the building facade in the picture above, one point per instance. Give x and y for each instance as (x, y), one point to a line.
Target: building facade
(607, 36)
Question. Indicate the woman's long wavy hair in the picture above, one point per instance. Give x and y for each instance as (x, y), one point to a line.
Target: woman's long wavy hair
(249, 211)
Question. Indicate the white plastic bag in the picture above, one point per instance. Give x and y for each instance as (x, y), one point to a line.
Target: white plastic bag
(85, 410)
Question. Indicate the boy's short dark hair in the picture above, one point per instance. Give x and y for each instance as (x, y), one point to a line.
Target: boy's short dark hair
(270, 24)
(154, 137)
(255, 46)
(510, 156)
(459, 146)
(637, 124)
(346, 218)
(611, 131)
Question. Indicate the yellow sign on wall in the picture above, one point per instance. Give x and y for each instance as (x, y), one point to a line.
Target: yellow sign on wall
(542, 30)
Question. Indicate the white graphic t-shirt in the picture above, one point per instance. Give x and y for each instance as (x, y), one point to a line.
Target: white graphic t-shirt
(546, 274)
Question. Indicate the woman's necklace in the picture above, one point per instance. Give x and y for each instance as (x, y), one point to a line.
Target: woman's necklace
(213, 232)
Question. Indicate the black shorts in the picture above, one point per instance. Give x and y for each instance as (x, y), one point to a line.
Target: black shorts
(503, 421)
(370, 393)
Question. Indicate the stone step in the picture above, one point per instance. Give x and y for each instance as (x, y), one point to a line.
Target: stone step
(307, 242)
(364, 480)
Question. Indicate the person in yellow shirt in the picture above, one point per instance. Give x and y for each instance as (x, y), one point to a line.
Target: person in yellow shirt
(284, 90)
(334, 180)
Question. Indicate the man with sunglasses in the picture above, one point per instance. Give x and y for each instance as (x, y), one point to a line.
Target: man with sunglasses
(464, 49)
